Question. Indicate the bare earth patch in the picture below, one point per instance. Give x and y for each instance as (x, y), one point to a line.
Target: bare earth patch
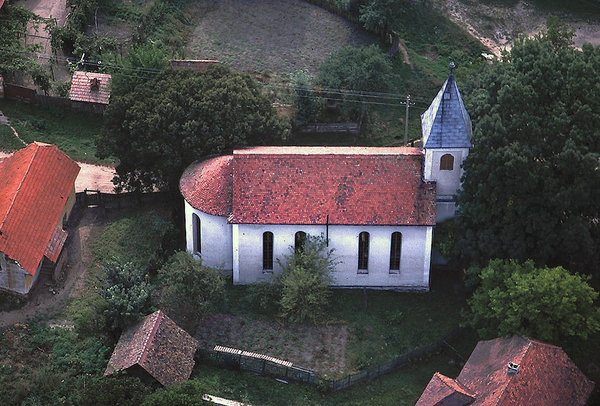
(322, 349)
(269, 35)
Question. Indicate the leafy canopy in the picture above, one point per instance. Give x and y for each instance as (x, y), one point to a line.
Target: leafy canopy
(15, 57)
(549, 304)
(127, 290)
(167, 123)
(305, 280)
(531, 187)
(187, 289)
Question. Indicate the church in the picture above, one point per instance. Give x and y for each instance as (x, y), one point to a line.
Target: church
(376, 206)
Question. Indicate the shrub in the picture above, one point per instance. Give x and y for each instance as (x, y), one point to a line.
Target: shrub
(305, 279)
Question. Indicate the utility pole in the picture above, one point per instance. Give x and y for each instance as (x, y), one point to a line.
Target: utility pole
(406, 121)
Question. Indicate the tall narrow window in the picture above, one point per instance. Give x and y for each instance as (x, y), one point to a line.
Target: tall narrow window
(363, 252)
(197, 233)
(446, 162)
(299, 241)
(395, 251)
(268, 251)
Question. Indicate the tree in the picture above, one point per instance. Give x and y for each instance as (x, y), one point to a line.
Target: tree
(549, 304)
(307, 104)
(531, 186)
(187, 289)
(139, 66)
(15, 57)
(167, 123)
(305, 280)
(127, 291)
(365, 68)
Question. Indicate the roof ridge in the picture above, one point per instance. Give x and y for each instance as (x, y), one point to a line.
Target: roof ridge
(504, 389)
(150, 336)
(20, 183)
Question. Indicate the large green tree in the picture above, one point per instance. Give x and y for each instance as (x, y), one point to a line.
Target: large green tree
(181, 116)
(549, 304)
(531, 187)
(15, 56)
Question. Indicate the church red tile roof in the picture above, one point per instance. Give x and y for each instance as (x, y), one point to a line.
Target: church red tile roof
(304, 185)
(81, 89)
(207, 185)
(157, 345)
(35, 184)
(546, 375)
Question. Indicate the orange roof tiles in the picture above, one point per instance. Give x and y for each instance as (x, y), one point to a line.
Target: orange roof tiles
(444, 391)
(81, 88)
(56, 243)
(546, 375)
(304, 185)
(207, 185)
(159, 346)
(35, 184)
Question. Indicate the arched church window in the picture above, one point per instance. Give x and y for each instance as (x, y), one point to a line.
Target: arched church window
(447, 162)
(299, 241)
(197, 233)
(268, 251)
(363, 252)
(395, 251)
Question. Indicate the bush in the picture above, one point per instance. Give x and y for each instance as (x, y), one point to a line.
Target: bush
(127, 291)
(549, 304)
(305, 279)
(187, 289)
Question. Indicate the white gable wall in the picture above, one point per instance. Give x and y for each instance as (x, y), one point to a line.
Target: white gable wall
(414, 261)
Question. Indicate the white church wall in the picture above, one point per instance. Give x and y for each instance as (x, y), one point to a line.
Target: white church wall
(448, 182)
(414, 261)
(216, 238)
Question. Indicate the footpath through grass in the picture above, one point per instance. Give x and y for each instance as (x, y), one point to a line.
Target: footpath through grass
(72, 132)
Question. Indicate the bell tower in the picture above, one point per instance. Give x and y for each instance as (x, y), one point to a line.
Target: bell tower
(447, 130)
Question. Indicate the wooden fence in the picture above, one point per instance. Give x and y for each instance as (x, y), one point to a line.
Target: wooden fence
(90, 197)
(269, 366)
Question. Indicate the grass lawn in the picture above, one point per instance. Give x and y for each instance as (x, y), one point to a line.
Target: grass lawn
(72, 132)
(8, 141)
(362, 329)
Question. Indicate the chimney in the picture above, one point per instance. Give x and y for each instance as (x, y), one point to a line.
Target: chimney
(95, 84)
(513, 368)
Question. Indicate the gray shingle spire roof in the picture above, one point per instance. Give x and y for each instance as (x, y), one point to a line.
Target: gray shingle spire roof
(446, 123)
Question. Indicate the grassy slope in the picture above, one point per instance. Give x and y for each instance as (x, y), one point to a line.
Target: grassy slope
(72, 132)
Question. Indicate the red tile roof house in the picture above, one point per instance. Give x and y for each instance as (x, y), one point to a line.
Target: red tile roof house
(376, 206)
(155, 346)
(37, 194)
(90, 91)
(511, 371)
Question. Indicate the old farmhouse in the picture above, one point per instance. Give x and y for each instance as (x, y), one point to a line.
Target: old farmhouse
(376, 206)
(37, 193)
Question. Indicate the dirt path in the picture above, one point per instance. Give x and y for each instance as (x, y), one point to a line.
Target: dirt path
(48, 297)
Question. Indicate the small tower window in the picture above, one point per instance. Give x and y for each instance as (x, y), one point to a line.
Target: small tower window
(299, 241)
(268, 251)
(447, 162)
(395, 251)
(363, 252)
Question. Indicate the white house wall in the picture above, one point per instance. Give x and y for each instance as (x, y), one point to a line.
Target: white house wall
(216, 238)
(414, 260)
(15, 278)
(448, 182)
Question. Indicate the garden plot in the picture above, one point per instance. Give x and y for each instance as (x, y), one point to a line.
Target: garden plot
(321, 348)
(269, 35)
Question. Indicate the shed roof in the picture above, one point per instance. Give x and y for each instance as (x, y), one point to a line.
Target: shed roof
(444, 391)
(546, 375)
(35, 184)
(159, 346)
(310, 185)
(446, 123)
(81, 87)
